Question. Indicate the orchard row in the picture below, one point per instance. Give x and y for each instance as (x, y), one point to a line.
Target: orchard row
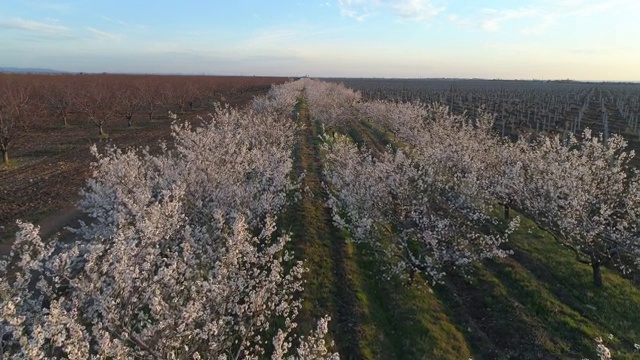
(522, 106)
(435, 195)
(182, 258)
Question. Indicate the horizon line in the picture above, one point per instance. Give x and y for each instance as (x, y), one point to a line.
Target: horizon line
(44, 71)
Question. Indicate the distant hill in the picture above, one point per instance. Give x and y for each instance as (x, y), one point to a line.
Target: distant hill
(19, 70)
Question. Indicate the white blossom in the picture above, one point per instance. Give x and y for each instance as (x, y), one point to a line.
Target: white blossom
(181, 259)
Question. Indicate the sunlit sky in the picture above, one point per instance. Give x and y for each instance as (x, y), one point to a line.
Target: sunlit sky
(513, 39)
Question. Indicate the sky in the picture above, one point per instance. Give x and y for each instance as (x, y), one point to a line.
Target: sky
(506, 39)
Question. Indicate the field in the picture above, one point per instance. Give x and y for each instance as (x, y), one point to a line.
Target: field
(50, 161)
(537, 303)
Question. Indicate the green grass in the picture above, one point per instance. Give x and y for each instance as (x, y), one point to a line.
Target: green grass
(405, 321)
(613, 309)
(540, 303)
(327, 288)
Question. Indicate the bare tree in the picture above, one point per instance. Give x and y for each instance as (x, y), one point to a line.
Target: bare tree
(185, 94)
(58, 98)
(129, 101)
(97, 102)
(15, 114)
(150, 94)
(167, 96)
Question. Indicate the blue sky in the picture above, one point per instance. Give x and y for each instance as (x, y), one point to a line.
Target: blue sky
(541, 39)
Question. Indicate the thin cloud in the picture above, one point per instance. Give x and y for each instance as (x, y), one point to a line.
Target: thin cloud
(541, 15)
(280, 39)
(103, 35)
(359, 10)
(273, 37)
(355, 15)
(115, 21)
(417, 10)
(121, 23)
(494, 19)
(33, 26)
(61, 8)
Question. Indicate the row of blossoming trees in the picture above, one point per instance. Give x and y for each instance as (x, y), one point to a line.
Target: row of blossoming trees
(181, 260)
(429, 206)
(538, 106)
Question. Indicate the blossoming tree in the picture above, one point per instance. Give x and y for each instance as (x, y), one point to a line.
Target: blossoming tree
(400, 208)
(180, 261)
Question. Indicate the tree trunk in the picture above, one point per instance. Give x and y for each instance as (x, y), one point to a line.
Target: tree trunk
(506, 212)
(129, 122)
(100, 130)
(412, 275)
(5, 156)
(64, 119)
(597, 274)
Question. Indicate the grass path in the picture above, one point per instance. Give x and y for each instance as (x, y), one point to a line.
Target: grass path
(328, 286)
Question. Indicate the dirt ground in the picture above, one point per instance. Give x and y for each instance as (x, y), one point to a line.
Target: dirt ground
(51, 164)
